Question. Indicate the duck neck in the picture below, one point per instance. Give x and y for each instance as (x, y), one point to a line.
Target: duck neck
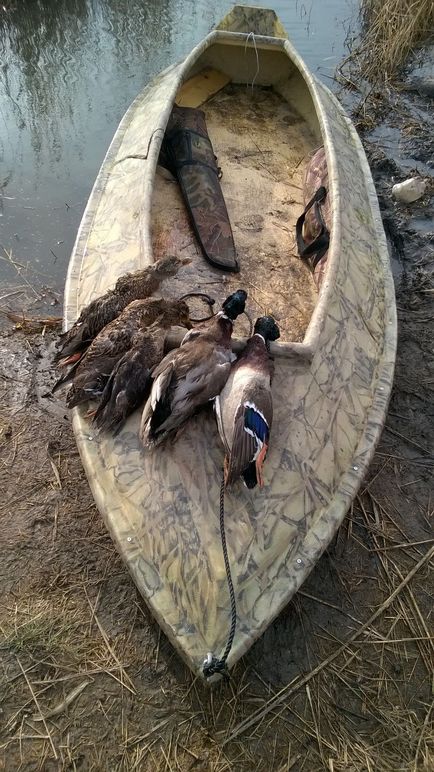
(224, 326)
(256, 349)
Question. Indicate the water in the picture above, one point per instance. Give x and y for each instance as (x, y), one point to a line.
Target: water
(68, 71)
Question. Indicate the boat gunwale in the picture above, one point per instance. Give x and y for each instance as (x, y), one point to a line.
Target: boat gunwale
(78, 250)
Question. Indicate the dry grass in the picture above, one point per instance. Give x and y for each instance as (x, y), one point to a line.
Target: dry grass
(44, 628)
(392, 31)
(355, 704)
(32, 324)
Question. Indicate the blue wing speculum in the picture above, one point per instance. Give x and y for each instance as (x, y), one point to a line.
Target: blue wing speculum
(256, 425)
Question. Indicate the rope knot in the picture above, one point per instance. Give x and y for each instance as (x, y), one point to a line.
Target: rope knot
(213, 666)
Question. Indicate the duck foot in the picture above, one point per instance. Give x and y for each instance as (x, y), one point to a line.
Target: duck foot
(70, 360)
(259, 464)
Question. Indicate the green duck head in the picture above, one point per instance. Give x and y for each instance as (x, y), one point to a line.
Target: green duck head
(235, 304)
(267, 327)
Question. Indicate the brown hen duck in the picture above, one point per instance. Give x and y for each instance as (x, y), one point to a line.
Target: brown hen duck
(101, 311)
(130, 381)
(94, 369)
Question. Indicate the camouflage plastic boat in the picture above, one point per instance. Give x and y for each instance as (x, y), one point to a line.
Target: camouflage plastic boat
(265, 113)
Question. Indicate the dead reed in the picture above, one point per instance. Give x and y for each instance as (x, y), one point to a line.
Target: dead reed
(392, 30)
(32, 324)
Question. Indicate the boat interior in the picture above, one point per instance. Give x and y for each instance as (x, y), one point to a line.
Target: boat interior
(263, 127)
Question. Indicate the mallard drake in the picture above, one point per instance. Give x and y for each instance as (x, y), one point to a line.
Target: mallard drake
(101, 311)
(118, 337)
(191, 375)
(244, 408)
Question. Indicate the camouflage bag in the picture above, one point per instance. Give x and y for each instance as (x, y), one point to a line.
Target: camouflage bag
(313, 226)
(188, 154)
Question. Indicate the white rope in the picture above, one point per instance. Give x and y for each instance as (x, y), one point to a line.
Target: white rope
(252, 35)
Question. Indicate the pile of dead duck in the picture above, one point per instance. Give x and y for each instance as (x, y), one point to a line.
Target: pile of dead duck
(116, 355)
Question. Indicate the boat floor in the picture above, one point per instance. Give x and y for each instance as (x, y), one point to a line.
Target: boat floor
(262, 145)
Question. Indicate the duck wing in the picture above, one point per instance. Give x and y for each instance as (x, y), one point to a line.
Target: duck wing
(100, 357)
(129, 384)
(244, 412)
(184, 380)
(97, 363)
(89, 324)
(68, 376)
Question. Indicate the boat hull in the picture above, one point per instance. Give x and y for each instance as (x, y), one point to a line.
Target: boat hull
(330, 391)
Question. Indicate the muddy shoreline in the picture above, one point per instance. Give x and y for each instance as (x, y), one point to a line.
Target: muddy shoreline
(70, 616)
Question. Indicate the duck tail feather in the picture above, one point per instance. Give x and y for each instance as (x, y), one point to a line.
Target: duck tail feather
(66, 377)
(249, 475)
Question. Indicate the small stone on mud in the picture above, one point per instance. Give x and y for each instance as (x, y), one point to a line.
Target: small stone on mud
(410, 190)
